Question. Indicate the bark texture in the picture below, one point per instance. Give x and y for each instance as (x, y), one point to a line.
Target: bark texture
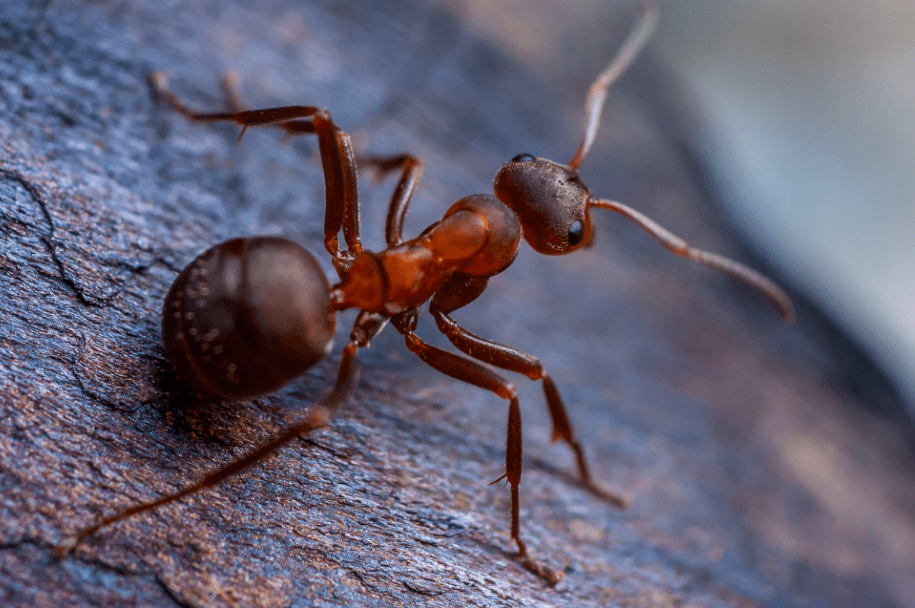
(768, 464)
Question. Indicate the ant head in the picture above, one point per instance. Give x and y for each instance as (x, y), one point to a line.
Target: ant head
(550, 200)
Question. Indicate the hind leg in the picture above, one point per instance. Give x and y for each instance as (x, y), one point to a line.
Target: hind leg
(337, 158)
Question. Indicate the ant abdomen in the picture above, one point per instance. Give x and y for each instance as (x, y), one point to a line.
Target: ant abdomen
(247, 316)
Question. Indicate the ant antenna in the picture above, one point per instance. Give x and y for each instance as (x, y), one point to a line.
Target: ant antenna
(681, 248)
(597, 94)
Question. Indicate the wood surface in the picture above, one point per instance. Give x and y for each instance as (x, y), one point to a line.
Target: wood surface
(768, 465)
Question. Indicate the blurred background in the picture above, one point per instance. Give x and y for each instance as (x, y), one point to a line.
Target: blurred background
(803, 121)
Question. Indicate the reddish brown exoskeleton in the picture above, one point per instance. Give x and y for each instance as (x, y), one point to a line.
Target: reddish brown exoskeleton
(251, 314)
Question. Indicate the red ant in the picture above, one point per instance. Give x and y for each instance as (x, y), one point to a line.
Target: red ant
(251, 314)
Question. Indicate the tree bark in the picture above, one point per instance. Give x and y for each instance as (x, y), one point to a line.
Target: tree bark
(769, 465)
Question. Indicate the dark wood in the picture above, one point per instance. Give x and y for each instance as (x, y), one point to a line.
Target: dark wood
(768, 465)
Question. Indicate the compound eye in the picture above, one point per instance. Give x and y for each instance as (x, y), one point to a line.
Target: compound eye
(576, 233)
(523, 158)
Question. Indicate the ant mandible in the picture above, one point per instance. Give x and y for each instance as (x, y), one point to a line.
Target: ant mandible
(251, 314)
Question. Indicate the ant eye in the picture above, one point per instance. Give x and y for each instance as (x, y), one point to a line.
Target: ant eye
(523, 158)
(576, 233)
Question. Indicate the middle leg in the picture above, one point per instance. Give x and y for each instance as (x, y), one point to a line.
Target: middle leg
(411, 170)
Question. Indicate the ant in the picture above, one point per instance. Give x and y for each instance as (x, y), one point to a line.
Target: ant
(251, 314)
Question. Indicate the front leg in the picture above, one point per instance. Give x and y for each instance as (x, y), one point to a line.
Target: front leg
(472, 372)
(459, 291)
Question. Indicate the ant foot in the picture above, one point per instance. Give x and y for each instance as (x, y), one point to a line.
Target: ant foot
(620, 501)
(549, 575)
(65, 546)
(544, 572)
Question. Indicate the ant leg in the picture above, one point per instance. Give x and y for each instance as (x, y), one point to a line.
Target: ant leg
(411, 170)
(318, 415)
(337, 159)
(459, 291)
(159, 81)
(339, 163)
(292, 125)
(472, 372)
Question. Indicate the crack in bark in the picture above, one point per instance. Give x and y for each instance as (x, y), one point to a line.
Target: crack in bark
(421, 590)
(173, 596)
(48, 239)
(86, 298)
(15, 544)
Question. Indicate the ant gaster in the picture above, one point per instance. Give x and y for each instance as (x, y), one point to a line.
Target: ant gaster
(251, 314)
